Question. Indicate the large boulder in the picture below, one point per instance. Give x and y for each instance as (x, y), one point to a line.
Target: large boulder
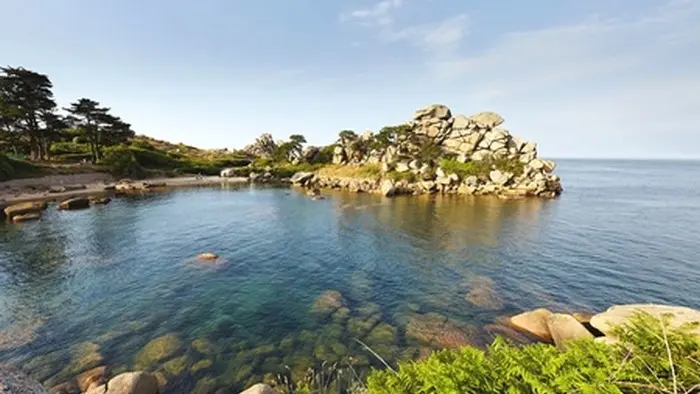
(487, 120)
(622, 314)
(565, 328)
(91, 377)
(300, 178)
(25, 208)
(26, 217)
(128, 383)
(158, 349)
(534, 322)
(13, 381)
(74, 203)
(437, 111)
(228, 173)
(387, 188)
(259, 389)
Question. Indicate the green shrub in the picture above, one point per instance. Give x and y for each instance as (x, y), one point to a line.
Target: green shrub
(73, 157)
(141, 144)
(154, 159)
(7, 171)
(407, 176)
(62, 148)
(121, 162)
(639, 364)
(11, 168)
(324, 156)
(481, 168)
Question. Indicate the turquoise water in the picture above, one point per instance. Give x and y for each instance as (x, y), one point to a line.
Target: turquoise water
(84, 288)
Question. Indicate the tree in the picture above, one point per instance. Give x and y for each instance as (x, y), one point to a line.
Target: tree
(26, 104)
(98, 126)
(296, 142)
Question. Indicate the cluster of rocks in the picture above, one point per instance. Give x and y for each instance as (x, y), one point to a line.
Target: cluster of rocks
(478, 138)
(561, 328)
(264, 147)
(27, 211)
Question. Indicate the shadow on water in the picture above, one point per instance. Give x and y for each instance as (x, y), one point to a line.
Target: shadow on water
(105, 285)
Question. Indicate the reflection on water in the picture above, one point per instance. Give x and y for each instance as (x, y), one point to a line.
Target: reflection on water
(112, 285)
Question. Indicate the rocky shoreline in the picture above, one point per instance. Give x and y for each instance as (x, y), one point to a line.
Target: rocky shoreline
(90, 375)
(438, 152)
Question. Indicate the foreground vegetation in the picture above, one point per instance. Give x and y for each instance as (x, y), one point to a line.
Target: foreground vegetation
(650, 359)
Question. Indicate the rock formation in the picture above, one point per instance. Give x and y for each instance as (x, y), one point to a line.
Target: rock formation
(484, 157)
(264, 146)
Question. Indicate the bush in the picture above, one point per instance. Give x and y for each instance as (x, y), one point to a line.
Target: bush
(407, 176)
(62, 148)
(141, 144)
(14, 168)
(7, 171)
(121, 162)
(482, 168)
(154, 159)
(324, 155)
(639, 364)
(73, 157)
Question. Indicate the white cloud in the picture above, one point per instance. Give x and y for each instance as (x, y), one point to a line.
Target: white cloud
(442, 37)
(379, 14)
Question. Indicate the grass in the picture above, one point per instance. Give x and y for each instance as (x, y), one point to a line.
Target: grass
(407, 176)
(365, 171)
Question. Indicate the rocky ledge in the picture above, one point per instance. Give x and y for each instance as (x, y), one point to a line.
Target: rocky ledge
(438, 152)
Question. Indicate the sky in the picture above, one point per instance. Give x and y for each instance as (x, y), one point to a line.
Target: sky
(582, 78)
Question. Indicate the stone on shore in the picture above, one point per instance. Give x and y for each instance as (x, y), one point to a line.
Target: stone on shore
(88, 378)
(565, 328)
(128, 383)
(622, 315)
(387, 188)
(74, 203)
(259, 388)
(534, 322)
(26, 217)
(25, 208)
(301, 178)
(100, 200)
(14, 381)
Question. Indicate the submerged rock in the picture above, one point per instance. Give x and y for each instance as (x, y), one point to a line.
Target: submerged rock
(534, 322)
(20, 334)
(438, 330)
(201, 365)
(328, 302)
(176, 366)
(100, 200)
(207, 256)
(204, 346)
(91, 377)
(156, 350)
(482, 293)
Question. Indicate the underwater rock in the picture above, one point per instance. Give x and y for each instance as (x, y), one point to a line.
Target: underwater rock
(368, 309)
(324, 353)
(204, 346)
(358, 327)
(287, 344)
(383, 333)
(534, 322)
(436, 329)
(176, 366)
(20, 334)
(204, 385)
(482, 293)
(328, 302)
(156, 350)
(64, 388)
(99, 200)
(341, 315)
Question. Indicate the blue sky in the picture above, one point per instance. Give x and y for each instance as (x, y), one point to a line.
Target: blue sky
(587, 78)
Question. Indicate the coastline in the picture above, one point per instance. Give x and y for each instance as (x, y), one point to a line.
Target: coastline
(61, 187)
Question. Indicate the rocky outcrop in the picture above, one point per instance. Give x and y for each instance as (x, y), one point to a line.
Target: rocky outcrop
(534, 322)
(565, 328)
(74, 203)
(25, 208)
(618, 315)
(13, 381)
(486, 158)
(264, 146)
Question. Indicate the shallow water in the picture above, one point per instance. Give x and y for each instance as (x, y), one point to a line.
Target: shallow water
(121, 275)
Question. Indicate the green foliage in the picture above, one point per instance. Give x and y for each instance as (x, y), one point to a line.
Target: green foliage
(154, 159)
(407, 176)
(324, 156)
(640, 364)
(68, 147)
(482, 168)
(141, 144)
(121, 162)
(348, 135)
(12, 168)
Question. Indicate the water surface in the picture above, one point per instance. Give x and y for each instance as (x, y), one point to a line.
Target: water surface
(110, 279)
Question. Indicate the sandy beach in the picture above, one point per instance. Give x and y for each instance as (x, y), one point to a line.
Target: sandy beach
(59, 187)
